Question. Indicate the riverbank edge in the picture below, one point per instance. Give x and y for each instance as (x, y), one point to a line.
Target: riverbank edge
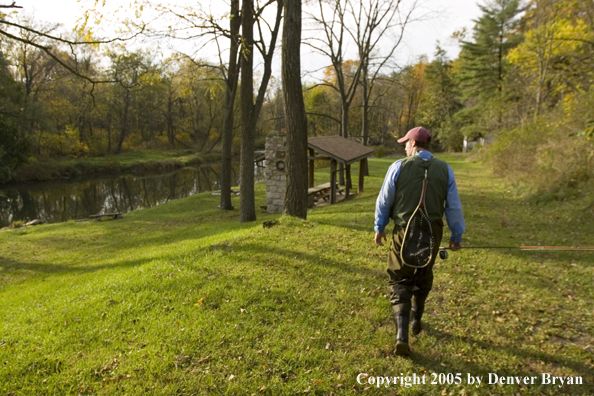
(47, 170)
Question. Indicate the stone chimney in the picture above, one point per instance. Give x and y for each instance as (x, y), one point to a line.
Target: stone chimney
(276, 179)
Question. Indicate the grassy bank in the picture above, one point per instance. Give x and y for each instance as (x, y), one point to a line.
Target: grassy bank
(183, 299)
(134, 162)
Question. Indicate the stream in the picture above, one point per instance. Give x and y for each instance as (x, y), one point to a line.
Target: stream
(58, 201)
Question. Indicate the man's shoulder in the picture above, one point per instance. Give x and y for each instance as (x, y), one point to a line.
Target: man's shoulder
(397, 163)
(441, 162)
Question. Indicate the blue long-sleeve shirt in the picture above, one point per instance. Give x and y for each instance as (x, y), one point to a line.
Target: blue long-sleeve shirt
(453, 206)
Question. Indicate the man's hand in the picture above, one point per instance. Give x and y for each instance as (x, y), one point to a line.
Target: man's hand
(379, 237)
(455, 246)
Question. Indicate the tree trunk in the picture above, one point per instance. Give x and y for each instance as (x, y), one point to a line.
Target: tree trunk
(170, 126)
(123, 123)
(109, 133)
(227, 135)
(295, 117)
(247, 210)
(365, 125)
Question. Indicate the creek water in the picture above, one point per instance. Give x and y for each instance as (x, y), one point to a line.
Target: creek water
(58, 201)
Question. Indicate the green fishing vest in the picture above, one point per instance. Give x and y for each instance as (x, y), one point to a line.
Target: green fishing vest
(409, 187)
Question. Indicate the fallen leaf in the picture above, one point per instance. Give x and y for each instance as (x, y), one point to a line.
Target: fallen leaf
(203, 360)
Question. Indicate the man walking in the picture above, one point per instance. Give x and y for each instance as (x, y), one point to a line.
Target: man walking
(397, 200)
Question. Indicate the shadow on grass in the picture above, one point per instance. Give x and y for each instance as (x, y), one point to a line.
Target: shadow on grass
(338, 268)
(436, 364)
(11, 266)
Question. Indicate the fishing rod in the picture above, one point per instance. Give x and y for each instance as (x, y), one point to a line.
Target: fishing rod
(443, 254)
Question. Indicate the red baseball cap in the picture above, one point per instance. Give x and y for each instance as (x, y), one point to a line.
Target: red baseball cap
(419, 134)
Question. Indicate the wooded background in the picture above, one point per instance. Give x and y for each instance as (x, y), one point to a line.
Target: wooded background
(523, 77)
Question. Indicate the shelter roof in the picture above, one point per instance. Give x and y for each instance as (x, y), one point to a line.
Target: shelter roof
(341, 149)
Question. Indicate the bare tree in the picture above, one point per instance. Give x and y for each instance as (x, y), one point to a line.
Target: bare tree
(374, 20)
(250, 109)
(295, 117)
(192, 25)
(231, 88)
(366, 23)
(189, 24)
(51, 42)
(333, 44)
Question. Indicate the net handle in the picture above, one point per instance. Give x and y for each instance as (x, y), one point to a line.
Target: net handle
(425, 181)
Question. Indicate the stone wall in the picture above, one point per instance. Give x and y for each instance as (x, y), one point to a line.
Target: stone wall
(276, 179)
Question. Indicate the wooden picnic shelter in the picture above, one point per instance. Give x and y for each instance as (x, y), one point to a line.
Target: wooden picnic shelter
(337, 150)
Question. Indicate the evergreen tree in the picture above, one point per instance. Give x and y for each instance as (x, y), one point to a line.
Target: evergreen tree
(484, 65)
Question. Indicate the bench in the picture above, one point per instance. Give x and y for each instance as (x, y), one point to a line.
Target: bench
(322, 192)
(98, 217)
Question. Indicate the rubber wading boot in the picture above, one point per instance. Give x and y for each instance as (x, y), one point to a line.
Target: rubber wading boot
(418, 307)
(402, 348)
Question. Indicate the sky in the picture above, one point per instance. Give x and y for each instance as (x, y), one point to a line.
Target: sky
(441, 19)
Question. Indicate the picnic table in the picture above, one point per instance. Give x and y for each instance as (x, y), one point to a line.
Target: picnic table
(322, 191)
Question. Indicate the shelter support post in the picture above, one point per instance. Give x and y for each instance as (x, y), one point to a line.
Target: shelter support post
(333, 181)
(311, 168)
(348, 182)
(362, 170)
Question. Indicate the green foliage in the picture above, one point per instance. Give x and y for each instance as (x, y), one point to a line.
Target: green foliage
(17, 224)
(483, 68)
(440, 101)
(380, 151)
(556, 57)
(440, 95)
(14, 145)
(553, 154)
(323, 109)
(483, 59)
(450, 136)
(587, 133)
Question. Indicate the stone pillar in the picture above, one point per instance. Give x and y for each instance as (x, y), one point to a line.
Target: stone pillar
(276, 179)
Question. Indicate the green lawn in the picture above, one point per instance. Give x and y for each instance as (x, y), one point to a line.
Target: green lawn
(182, 299)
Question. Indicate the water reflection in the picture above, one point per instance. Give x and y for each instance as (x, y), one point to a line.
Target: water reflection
(61, 201)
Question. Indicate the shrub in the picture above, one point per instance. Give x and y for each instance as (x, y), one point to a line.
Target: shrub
(17, 224)
(547, 156)
(380, 151)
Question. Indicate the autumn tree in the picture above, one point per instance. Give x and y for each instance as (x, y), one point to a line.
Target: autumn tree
(556, 55)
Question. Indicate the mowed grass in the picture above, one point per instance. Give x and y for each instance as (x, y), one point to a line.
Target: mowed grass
(182, 299)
